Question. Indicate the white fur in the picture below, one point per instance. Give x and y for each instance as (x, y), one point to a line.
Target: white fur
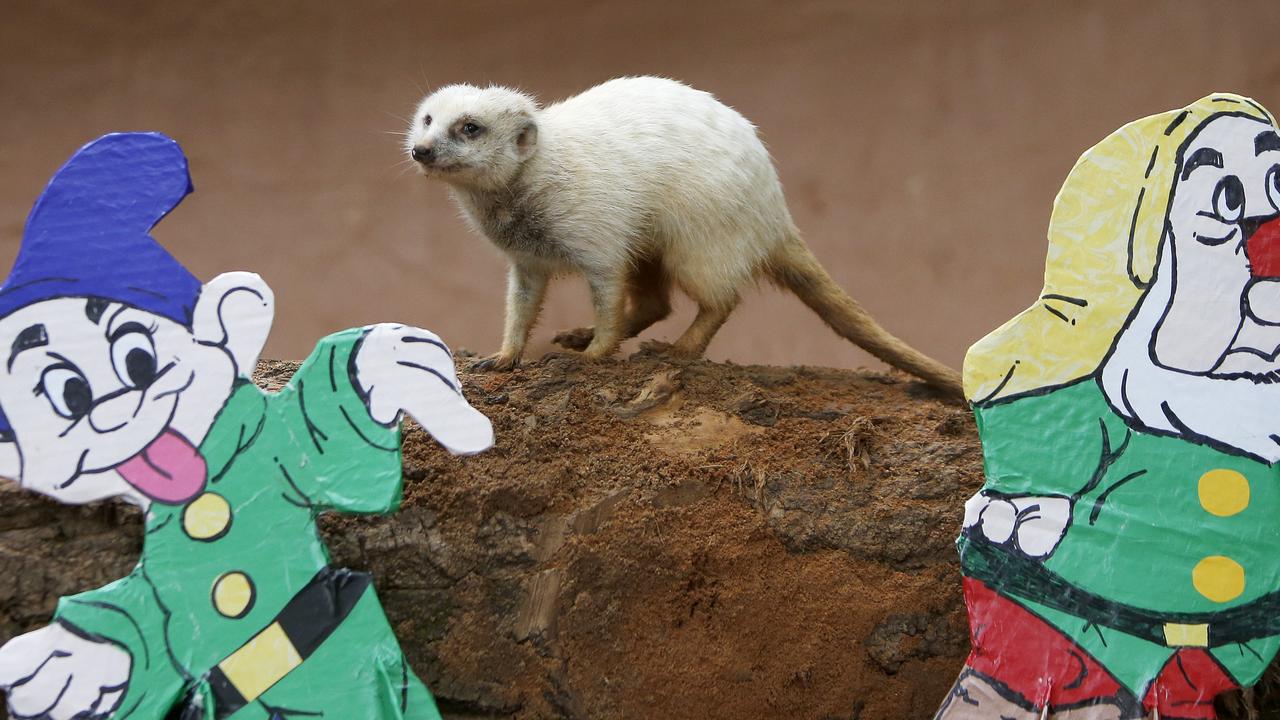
(644, 162)
(633, 168)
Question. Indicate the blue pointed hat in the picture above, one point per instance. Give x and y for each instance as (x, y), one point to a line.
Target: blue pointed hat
(89, 233)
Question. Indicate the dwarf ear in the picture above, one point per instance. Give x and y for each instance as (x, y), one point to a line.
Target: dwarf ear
(527, 140)
(234, 312)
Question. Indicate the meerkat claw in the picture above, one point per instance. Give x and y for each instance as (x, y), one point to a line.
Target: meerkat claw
(495, 363)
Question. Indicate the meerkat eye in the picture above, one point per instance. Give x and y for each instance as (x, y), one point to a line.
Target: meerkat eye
(426, 121)
(471, 129)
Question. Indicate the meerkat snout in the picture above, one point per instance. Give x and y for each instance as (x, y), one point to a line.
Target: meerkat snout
(423, 154)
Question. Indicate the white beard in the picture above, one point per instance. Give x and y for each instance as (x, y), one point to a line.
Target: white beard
(1240, 412)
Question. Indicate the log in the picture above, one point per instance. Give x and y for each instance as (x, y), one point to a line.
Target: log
(647, 539)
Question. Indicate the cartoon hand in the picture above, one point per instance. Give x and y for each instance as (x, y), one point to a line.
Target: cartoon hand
(55, 673)
(1033, 525)
(408, 369)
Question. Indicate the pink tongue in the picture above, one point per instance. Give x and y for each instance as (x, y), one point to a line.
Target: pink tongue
(169, 470)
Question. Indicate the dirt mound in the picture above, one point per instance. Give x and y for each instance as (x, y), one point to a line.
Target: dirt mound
(645, 540)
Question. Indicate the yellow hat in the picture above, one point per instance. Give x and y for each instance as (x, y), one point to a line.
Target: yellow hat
(1105, 236)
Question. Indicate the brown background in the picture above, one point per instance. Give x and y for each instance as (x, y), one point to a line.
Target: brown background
(921, 143)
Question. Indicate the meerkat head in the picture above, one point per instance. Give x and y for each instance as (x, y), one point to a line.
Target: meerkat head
(473, 137)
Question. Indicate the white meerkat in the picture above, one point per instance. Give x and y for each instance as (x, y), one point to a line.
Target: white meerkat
(639, 184)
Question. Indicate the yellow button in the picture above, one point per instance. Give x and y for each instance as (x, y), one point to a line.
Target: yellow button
(233, 594)
(1224, 492)
(208, 517)
(1218, 578)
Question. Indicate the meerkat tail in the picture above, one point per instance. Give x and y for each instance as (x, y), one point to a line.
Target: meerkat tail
(795, 268)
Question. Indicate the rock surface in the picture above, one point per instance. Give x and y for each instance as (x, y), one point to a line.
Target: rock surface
(646, 540)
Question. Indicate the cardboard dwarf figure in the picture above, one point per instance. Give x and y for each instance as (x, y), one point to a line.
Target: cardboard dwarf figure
(1123, 558)
(124, 376)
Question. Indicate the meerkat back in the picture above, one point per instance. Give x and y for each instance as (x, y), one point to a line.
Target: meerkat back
(693, 167)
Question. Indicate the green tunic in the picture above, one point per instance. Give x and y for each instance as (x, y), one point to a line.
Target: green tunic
(1159, 524)
(216, 571)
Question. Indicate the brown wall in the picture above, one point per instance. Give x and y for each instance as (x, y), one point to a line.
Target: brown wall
(921, 143)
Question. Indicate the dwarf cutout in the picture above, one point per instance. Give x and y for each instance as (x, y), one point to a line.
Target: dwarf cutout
(124, 376)
(1122, 559)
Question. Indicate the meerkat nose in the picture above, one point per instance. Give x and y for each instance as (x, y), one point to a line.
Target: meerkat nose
(423, 154)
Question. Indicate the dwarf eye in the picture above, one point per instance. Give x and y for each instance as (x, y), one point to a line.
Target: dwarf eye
(1273, 186)
(426, 121)
(133, 355)
(471, 129)
(1228, 199)
(67, 390)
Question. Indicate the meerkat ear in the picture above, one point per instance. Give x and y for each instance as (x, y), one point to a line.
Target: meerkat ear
(527, 140)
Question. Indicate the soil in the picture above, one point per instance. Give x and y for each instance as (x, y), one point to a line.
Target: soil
(646, 540)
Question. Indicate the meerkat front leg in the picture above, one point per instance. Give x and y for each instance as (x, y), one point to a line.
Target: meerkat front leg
(526, 286)
(608, 296)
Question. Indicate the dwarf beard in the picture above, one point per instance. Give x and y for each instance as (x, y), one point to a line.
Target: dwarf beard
(1240, 412)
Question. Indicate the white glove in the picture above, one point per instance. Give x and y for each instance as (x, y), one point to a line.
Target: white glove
(407, 369)
(1034, 525)
(54, 673)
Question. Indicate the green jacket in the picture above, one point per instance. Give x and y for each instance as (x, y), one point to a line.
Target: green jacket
(1159, 523)
(216, 570)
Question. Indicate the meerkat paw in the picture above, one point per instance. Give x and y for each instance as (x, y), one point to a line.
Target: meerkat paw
(679, 351)
(496, 363)
(597, 351)
(576, 339)
(653, 348)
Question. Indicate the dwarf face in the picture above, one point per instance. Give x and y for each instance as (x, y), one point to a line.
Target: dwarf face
(1224, 316)
(89, 385)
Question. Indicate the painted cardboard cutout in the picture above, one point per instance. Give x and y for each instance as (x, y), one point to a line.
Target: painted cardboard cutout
(1123, 559)
(123, 376)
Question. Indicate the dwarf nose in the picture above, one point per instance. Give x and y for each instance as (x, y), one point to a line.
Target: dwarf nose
(113, 411)
(423, 154)
(1262, 245)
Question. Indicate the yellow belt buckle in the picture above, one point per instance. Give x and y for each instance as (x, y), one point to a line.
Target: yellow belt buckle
(261, 662)
(1180, 635)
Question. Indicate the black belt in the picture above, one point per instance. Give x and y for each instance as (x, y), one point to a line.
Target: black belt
(1013, 573)
(306, 621)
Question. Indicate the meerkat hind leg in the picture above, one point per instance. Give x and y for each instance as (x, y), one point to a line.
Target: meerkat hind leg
(695, 339)
(650, 297)
(649, 291)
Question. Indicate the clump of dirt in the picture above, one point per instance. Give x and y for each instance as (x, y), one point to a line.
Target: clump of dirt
(646, 539)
